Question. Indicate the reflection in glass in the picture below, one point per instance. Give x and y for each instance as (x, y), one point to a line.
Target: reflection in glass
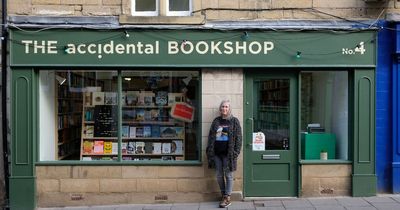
(145, 5)
(179, 5)
(272, 117)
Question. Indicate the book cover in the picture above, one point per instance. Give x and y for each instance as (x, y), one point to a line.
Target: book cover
(139, 131)
(131, 147)
(139, 147)
(140, 114)
(155, 114)
(157, 148)
(148, 147)
(147, 115)
(86, 158)
(161, 98)
(174, 97)
(177, 147)
(168, 158)
(98, 147)
(126, 158)
(125, 131)
(107, 147)
(124, 147)
(132, 132)
(155, 131)
(179, 158)
(132, 98)
(128, 114)
(172, 132)
(114, 148)
(88, 147)
(110, 98)
(166, 148)
(88, 98)
(147, 131)
(89, 114)
(88, 131)
(97, 98)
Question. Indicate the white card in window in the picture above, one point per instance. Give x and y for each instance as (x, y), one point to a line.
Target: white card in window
(258, 141)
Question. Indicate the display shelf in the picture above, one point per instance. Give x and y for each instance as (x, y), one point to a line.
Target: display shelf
(148, 131)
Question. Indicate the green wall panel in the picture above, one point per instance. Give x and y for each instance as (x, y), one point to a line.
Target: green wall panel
(22, 179)
(364, 173)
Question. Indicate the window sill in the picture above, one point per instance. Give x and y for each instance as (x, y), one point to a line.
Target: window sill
(324, 162)
(162, 20)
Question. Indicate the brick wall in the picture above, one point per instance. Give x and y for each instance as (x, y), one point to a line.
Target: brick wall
(97, 185)
(233, 9)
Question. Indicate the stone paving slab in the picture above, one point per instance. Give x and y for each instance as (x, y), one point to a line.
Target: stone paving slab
(298, 203)
(387, 206)
(330, 207)
(397, 198)
(379, 200)
(349, 202)
(361, 208)
(273, 203)
(323, 201)
(185, 206)
(271, 208)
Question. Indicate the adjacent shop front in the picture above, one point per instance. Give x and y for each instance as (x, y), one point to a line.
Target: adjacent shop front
(122, 116)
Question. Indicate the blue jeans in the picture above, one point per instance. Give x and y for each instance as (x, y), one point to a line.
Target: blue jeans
(224, 175)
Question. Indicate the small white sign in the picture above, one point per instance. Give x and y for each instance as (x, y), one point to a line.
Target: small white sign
(258, 141)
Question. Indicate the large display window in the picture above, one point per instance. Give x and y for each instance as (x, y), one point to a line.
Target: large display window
(155, 119)
(324, 115)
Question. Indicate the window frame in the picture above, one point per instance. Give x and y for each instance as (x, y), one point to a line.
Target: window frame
(179, 13)
(199, 143)
(145, 13)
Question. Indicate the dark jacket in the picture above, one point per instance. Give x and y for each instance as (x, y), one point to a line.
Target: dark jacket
(234, 144)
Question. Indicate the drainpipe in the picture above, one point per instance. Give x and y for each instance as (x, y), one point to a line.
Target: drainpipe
(4, 95)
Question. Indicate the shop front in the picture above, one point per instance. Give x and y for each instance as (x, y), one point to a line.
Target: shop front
(122, 116)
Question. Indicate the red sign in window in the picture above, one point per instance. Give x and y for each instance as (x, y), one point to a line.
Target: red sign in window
(182, 111)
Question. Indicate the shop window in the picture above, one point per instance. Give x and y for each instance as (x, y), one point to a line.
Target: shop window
(153, 7)
(79, 112)
(324, 115)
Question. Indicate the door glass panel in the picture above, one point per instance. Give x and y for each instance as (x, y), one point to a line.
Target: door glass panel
(271, 116)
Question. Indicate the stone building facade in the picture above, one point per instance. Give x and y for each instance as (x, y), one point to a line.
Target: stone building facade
(80, 184)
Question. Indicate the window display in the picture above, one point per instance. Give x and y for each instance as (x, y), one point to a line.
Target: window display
(157, 108)
(324, 114)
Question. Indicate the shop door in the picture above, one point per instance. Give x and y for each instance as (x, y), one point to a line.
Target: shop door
(271, 110)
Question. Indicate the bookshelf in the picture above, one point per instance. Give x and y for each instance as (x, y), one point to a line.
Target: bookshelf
(148, 131)
(68, 119)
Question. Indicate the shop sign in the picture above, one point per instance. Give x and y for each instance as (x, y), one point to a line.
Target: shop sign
(258, 141)
(191, 48)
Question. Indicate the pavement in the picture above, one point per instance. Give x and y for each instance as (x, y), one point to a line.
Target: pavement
(380, 202)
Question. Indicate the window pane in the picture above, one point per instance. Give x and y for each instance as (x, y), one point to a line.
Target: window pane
(159, 115)
(272, 116)
(324, 114)
(179, 5)
(78, 115)
(145, 5)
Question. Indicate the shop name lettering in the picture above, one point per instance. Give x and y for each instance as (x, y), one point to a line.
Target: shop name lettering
(173, 47)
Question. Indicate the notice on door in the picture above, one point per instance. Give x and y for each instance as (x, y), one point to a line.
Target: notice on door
(258, 141)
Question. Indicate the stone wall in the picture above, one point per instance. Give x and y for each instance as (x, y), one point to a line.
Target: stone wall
(97, 185)
(217, 9)
(326, 180)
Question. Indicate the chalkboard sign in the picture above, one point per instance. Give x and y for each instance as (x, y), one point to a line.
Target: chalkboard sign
(105, 121)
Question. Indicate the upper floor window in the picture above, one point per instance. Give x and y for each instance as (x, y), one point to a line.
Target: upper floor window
(161, 7)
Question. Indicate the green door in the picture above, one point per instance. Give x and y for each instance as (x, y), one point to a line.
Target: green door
(271, 109)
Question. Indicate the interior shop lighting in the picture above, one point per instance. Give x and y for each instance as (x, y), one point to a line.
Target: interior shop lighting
(60, 79)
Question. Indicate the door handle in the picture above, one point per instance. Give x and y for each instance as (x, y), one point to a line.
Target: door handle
(251, 120)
